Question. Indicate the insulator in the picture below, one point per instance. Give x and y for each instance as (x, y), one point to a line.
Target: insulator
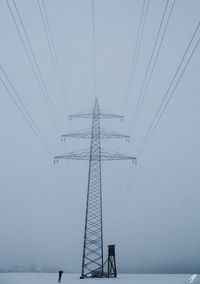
(57, 161)
(54, 161)
(64, 139)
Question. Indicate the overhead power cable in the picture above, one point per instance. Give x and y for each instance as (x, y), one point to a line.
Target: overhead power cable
(22, 105)
(151, 64)
(133, 56)
(94, 49)
(23, 110)
(34, 65)
(16, 99)
(52, 49)
(39, 78)
(168, 96)
(136, 52)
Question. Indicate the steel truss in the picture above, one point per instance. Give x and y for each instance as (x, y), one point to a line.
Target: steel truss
(92, 260)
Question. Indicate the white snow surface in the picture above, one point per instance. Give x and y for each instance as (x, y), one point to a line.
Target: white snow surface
(52, 278)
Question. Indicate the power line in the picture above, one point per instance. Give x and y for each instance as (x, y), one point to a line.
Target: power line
(15, 97)
(133, 55)
(37, 74)
(53, 53)
(161, 110)
(94, 48)
(23, 110)
(22, 105)
(136, 51)
(56, 58)
(39, 71)
(145, 84)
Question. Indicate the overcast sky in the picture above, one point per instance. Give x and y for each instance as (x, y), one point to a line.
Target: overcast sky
(150, 211)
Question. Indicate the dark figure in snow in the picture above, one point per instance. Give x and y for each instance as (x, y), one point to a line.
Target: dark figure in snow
(60, 272)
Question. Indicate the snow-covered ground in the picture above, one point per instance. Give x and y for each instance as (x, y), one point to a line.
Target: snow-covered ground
(51, 278)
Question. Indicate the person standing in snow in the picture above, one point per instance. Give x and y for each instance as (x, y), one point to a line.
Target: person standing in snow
(60, 272)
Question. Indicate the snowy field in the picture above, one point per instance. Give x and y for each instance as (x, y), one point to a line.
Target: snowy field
(51, 278)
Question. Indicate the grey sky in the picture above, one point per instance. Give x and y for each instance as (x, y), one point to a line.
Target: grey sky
(151, 211)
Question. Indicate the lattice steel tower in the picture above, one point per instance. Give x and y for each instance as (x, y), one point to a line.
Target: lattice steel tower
(92, 261)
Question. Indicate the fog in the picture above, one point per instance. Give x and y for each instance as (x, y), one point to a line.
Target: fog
(151, 210)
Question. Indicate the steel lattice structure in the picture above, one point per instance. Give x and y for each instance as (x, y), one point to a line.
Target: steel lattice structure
(92, 261)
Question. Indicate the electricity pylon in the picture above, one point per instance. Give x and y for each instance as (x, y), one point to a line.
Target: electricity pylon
(92, 261)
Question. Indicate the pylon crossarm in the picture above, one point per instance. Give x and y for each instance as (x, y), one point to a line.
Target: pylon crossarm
(86, 133)
(105, 114)
(76, 155)
(105, 155)
(85, 114)
(108, 155)
(106, 134)
(102, 115)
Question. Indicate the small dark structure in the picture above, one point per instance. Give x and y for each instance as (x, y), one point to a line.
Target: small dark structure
(112, 270)
(60, 272)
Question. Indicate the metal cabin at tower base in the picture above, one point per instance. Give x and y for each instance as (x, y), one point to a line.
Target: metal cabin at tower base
(112, 269)
(110, 263)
